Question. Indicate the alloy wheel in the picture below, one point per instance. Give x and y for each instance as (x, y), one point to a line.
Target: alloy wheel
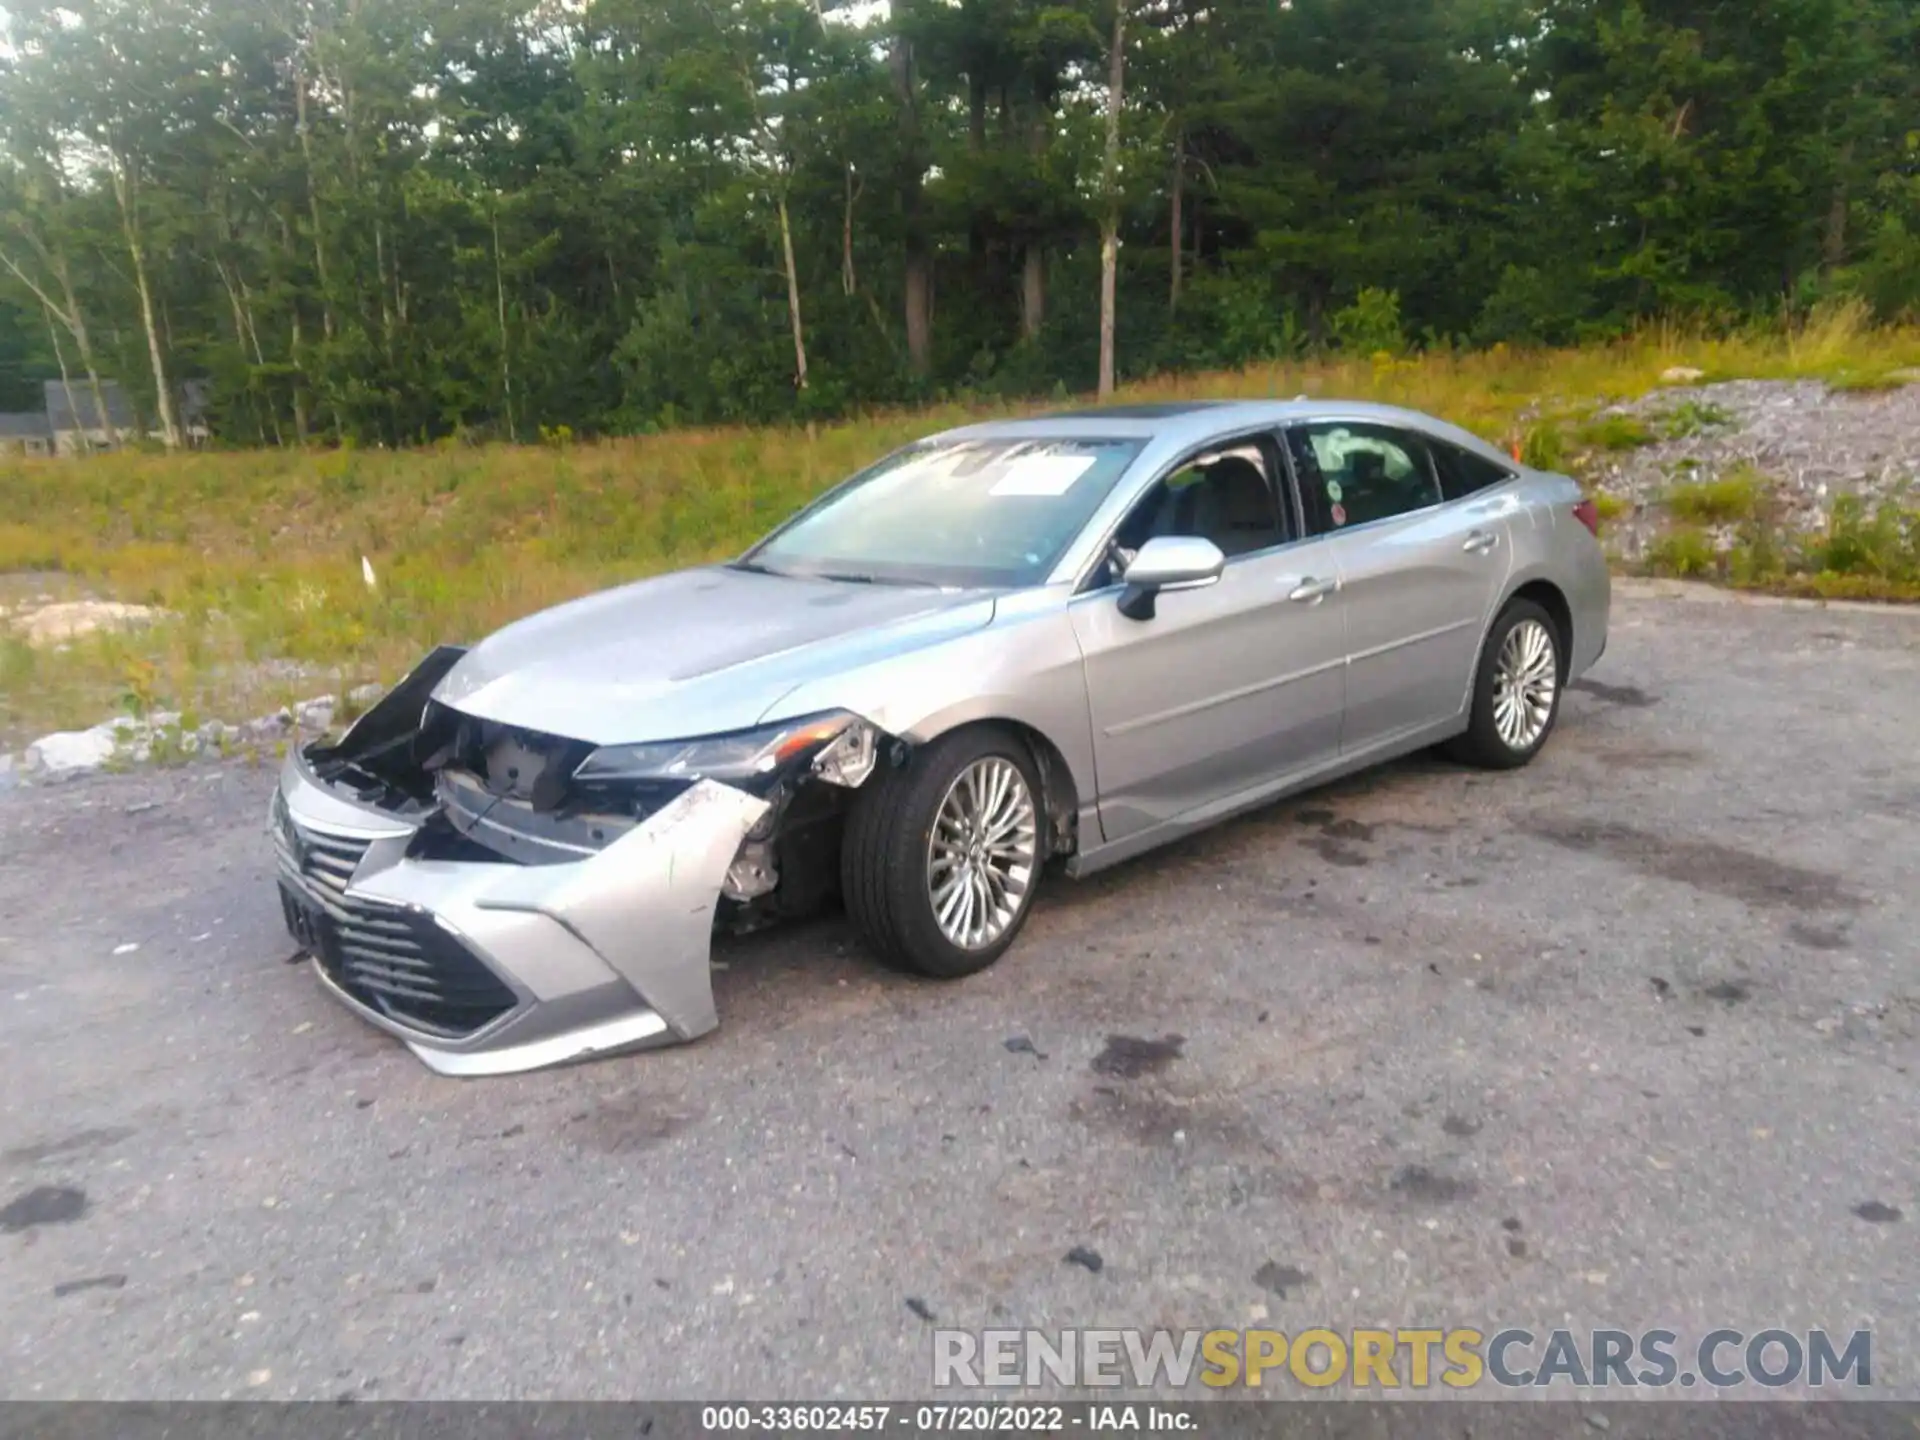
(981, 855)
(1526, 679)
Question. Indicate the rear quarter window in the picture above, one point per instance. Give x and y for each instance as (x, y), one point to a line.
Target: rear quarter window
(1463, 473)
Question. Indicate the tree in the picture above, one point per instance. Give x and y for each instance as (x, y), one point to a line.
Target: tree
(1110, 193)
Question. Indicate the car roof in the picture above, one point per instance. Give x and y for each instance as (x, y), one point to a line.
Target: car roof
(1196, 422)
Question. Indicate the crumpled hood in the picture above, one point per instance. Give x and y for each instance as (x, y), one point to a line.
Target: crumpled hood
(696, 652)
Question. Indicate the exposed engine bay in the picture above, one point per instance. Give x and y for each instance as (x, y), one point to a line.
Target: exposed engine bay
(480, 790)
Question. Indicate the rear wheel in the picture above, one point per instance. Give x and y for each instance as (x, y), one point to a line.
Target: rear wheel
(1516, 692)
(942, 856)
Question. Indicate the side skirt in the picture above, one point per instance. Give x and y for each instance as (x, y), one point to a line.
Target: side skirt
(1089, 862)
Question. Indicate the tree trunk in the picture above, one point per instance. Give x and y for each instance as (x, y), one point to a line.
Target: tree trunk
(500, 313)
(380, 275)
(83, 340)
(296, 348)
(163, 393)
(849, 282)
(1110, 175)
(70, 316)
(918, 262)
(313, 198)
(239, 315)
(66, 384)
(1176, 229)
(1033, 290)
(793, 297)
(1834, 247)
(1033, 272)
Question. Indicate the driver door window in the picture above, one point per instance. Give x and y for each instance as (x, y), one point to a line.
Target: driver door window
(1224, 496)
(1353, 474)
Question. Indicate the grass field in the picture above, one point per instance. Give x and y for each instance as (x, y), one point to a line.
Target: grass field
(257, 555)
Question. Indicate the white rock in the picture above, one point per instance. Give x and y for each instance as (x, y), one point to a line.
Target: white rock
(1681, 375)
(366, 694)
(74, 752)
(317, 713)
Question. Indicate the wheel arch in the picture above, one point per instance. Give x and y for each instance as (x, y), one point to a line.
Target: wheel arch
(1552, 599)
(1062, 794)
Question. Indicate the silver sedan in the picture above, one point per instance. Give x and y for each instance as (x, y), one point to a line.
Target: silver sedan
(1013, 650)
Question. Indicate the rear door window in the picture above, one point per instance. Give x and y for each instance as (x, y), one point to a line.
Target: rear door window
(1353, 474)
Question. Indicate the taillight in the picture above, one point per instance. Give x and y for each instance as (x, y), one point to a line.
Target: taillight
(1588, 514)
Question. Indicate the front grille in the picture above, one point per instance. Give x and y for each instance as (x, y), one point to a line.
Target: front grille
(390, 958)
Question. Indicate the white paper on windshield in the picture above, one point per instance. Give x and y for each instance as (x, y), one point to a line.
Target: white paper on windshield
(1042, 475)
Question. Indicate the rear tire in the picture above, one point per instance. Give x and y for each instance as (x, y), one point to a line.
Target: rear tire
(1516, 690)
(942, 856)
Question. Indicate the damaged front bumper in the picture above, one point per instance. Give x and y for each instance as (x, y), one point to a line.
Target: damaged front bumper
(483, 966)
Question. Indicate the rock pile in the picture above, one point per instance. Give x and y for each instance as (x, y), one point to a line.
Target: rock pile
(1810, 445)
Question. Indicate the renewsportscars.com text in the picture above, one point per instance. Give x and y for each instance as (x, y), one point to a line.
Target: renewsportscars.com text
(1403, 1359)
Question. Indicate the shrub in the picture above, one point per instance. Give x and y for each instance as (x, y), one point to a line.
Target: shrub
(1734, 496)
(1693, 417)
(1371, 324)
(1684, 551)
(1615, 432)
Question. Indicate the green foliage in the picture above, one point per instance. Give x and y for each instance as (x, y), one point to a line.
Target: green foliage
(1371, 325)
(1738, 495)
(1883, 544)
(1610, 507)
(1685, 552)
(1693, 417)
(1863, 554)
(394, 223)
(1615, 432)
(1545, 446)
(1869, 382)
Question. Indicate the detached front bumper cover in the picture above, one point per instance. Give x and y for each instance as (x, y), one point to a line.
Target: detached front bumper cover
(487, 967)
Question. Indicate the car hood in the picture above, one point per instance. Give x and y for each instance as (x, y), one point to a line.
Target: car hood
(696, 652)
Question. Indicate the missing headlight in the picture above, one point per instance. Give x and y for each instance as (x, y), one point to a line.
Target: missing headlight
(849, 757)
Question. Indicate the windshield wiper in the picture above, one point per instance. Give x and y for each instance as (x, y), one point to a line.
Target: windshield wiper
(753, 567)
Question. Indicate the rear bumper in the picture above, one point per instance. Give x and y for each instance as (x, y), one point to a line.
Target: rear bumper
(486, 967)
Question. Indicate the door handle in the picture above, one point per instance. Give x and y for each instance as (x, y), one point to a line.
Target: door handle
(1478, 542)
(1311, 591)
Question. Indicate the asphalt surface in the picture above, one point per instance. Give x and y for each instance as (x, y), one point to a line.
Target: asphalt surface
(1627, 1039)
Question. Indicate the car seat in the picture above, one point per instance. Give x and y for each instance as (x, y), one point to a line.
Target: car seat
(1232, 506)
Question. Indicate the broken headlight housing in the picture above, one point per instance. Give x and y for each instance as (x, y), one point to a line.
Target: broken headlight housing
(839, 747)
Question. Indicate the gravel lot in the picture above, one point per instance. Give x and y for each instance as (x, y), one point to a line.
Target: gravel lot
(1627, 1039)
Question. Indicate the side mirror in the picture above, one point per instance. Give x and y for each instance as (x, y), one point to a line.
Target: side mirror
(1168, 562)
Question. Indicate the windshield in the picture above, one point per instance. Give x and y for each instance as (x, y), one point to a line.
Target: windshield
(957, 512)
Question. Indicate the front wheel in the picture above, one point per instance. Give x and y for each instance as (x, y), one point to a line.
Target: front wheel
(1516, 692)
(941, 857)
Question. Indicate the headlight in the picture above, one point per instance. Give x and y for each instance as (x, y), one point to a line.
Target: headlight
(841, 746)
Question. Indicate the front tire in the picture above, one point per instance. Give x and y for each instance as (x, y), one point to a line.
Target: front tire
(942, 856)
(1516, 691)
